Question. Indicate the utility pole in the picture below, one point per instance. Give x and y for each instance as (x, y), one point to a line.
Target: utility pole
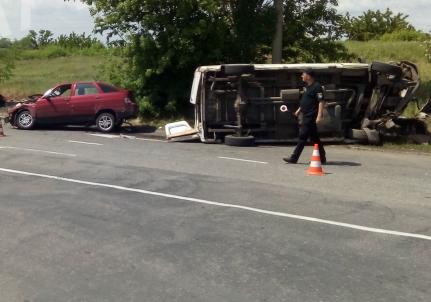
(277, 45)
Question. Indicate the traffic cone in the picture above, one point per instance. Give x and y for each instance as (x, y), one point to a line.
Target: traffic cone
(1, 129)
(316, 163)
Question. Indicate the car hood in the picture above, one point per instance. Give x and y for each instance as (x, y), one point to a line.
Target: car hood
(23, 104)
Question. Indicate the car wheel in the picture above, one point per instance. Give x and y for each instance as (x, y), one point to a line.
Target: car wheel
(105, 122)
(239, 141)
(24, 120)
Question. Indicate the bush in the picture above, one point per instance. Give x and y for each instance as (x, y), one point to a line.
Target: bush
(47, 52)
(427, 46)
(52, 52)
(405, 35)
(6, 64)
(56, 51)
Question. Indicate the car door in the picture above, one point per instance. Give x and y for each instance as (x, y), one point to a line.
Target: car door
(84, 100)
(54, 108)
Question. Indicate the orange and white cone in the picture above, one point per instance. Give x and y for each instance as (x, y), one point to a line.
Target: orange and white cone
(316, 163)
(1, 129)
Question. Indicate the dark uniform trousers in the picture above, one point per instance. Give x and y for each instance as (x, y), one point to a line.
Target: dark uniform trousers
(308, 130)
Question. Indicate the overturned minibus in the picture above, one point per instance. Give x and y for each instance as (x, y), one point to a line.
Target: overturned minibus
(244, 104)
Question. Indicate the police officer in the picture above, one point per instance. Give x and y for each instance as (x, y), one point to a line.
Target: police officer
(311, 107)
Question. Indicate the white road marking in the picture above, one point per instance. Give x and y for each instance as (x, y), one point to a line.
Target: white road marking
(128, 137)
(150, 140)
(244, 160)
(105, 135)
(225, 205)
(141, 139)
(85, 143)
(38, 151)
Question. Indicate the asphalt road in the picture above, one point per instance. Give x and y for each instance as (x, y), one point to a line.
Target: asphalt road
(92, 218)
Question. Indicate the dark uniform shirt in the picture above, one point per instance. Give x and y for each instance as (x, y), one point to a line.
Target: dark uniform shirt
(310, 100)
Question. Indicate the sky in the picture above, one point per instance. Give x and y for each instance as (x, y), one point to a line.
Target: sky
(419, 11)
(17, 17)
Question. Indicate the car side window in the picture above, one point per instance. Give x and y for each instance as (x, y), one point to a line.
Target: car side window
(85, 89)
(64, 91)
(107, 88)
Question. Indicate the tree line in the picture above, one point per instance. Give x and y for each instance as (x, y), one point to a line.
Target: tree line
(42, 38)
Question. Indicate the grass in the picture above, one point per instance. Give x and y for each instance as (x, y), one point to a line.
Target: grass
(33, 76)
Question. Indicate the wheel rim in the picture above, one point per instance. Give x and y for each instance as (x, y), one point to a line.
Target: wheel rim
(25, 119)
(106, 122)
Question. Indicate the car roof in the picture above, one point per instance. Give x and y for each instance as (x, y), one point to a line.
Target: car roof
(84, 82)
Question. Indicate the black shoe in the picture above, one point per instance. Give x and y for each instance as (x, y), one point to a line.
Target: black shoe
(290, 160)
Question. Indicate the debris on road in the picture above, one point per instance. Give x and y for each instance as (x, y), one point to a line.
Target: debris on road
(179, 129)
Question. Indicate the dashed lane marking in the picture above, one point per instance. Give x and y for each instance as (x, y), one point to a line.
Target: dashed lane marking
(244, 160)
(150, 140)
(85, 143)
(105, 135)
(37, 151)
(131, 137)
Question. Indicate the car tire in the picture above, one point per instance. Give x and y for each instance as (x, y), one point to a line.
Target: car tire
(24, 120)
(239, 141)
(387, 69)
(105, 122)
(237, 69)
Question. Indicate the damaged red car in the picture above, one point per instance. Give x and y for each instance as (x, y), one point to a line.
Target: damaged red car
(79, 103)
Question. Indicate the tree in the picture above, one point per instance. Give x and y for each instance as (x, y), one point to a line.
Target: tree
(5, 43)
(374, 24)
(74, 40)
(312, 31)
(45, 37)
(277, 45)
(166, 40)
(35, 40)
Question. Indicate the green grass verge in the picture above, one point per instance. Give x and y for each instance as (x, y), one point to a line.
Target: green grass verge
(38, 75)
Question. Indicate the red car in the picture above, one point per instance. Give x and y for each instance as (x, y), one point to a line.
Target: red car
(78, 103)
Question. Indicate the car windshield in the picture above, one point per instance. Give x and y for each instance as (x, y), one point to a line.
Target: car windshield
(48, 92)
(63, 90)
